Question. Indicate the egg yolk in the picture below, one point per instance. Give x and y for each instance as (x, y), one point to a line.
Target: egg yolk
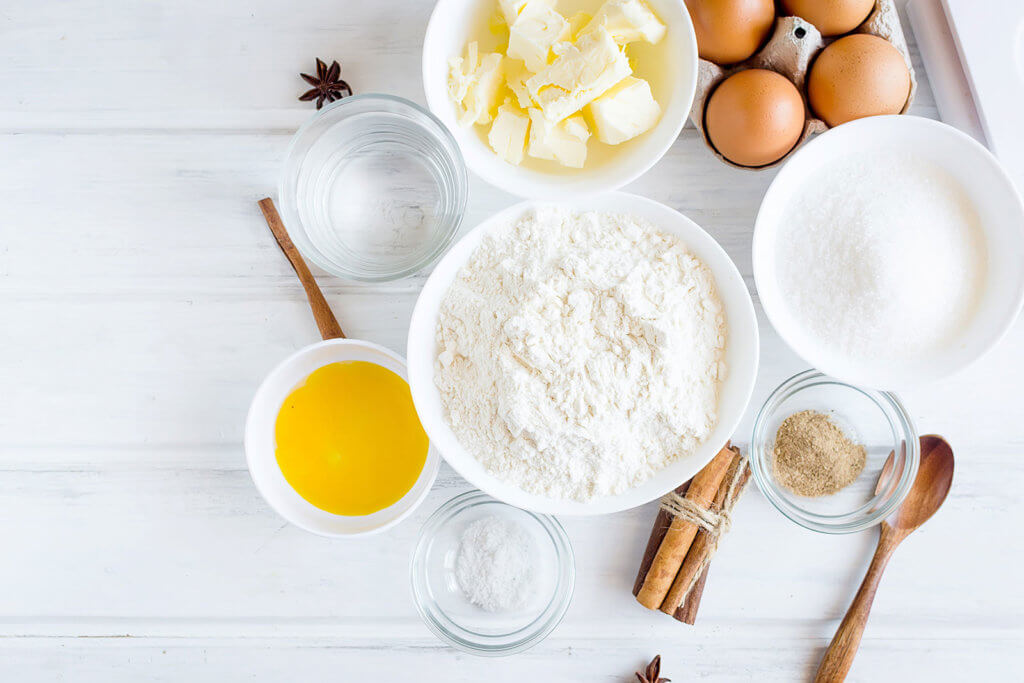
(348, 440)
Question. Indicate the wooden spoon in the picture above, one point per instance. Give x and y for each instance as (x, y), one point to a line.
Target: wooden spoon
(934, 477)
(325, 320)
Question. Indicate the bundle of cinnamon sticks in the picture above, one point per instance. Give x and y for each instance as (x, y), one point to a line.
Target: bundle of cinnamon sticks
(675, 564)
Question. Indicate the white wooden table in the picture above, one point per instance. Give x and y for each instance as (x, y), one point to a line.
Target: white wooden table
(143, 300)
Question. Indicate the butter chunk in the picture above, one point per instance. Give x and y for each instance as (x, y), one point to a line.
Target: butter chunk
(583, 71)
(511, 9)
(535, 31)
(475, 85)
(460, 73)
(577, 23)
(507, 136)
(625, 111)
(628, 21)
(564, 142)
(516, 74)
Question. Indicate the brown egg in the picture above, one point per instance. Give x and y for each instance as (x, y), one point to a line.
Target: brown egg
(857, 76)
(754, 117)
(729, 31)
(831, 17)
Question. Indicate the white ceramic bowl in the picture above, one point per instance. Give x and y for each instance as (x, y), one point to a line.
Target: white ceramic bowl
(1000, 211)
(741, 356)
(259, 442)
(451, 27)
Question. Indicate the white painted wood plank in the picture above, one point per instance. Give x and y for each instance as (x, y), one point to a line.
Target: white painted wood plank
(195, 63)
(156, 541)
(701, 657)
(116, 371)
(202, 65)
(149, 213)
(145, 214)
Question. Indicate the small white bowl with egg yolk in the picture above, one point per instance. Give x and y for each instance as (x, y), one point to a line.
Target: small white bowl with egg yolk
(260, 442)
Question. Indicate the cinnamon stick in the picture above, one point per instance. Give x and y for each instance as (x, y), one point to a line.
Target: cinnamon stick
(680, 534)
(661, 524)
(325, 320)
(695, 560)
(687, 612)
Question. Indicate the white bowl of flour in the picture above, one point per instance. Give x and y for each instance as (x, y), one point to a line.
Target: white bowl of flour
(888, 251)
(672, 352)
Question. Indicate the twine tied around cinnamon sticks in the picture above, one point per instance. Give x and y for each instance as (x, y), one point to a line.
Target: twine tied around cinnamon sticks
(715, 523)
(690, 523)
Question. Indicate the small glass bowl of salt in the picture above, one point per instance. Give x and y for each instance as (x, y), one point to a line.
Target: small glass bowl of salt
(491, 579)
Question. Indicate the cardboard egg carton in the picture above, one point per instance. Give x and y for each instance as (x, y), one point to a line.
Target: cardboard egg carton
(790, 51)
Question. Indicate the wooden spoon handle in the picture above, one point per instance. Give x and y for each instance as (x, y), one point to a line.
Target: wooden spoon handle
(325, 320)
(843, 648)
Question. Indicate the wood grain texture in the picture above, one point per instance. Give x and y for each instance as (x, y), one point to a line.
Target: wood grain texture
(843, 648)
(931, 486)
(144, 300)
(325, 320)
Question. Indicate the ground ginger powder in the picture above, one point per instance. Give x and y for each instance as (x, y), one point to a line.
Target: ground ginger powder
(812, 456)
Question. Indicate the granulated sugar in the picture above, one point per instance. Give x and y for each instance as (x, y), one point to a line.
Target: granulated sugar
(881, 256)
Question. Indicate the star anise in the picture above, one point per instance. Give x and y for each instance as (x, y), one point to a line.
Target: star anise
(652, 673)
(327, 84)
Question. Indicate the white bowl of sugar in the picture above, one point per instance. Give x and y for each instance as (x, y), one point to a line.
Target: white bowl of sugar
(888, 251)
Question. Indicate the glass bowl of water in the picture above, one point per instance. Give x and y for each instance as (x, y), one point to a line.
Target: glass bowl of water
(374, 188)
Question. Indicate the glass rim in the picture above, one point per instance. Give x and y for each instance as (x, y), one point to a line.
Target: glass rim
(873, 511)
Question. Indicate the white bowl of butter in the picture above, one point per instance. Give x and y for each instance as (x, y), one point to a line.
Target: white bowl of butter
(630, 65)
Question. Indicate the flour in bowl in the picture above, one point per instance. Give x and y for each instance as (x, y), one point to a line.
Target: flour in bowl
(580, 353)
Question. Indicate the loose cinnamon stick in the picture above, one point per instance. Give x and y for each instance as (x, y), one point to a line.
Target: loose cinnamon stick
(680, 534)
(696, 557)
(325, 320)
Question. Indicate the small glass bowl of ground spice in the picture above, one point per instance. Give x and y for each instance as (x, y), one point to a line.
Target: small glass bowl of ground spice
(819, 450)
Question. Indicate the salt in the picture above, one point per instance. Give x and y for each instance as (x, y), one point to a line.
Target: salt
(495, 564)
(881, 256)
